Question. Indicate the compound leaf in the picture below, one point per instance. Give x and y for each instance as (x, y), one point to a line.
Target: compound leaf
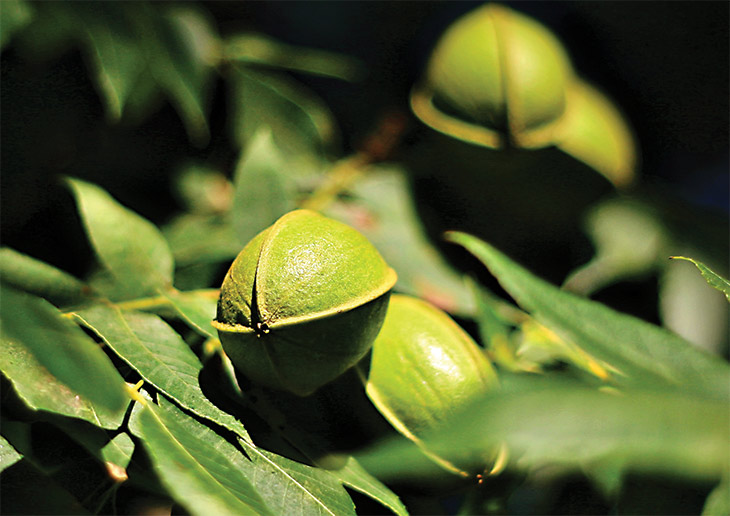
(159, 355)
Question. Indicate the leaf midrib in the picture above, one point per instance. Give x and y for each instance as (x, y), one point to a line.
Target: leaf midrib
(196, 461)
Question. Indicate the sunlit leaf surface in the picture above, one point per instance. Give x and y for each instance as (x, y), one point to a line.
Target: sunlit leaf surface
(306, 490)
(55, 366)
(160, 356)
(197, 308)
(130, 247)
(641, 352)
(199, 468)
(117, 453)
(8, 454)
(36, 277)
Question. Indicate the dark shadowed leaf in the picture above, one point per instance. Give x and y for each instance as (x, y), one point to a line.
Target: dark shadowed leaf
(718, 502)
(180, 43)
(643, 354)
(383, 210)
(112, 46)
(130, 247)
(54, 365)
(14, 15)
(301, 125)
(263, 191)
(36, 277)
(200, 469)
(25, 489)
(196, 238)
(114, 453)
(203, 189)
(159, 355)
(51, 31)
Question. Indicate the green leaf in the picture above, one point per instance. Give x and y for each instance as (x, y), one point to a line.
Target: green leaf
(713, 279)
(300, 123)
(116, 454)
(130, 247)
(718, 502)
(641, 352)
(54, 366)
(353, 475)
(8, 454)
(263, 191)
(112, 45)
(36, 277)
(51, 32)
(383, 210)
(307, 490)
(548, 421)
(196, 239)
(197, 308)
(25, 489)
(181, 48)
(629, 240)
(263, 50)
(494, 331)
(159, 355)
(200, 469)
(203, 189)
(108, 35)
(14, 15)
(688, 307)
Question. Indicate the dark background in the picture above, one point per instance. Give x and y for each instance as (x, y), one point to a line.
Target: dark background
(664, 63)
